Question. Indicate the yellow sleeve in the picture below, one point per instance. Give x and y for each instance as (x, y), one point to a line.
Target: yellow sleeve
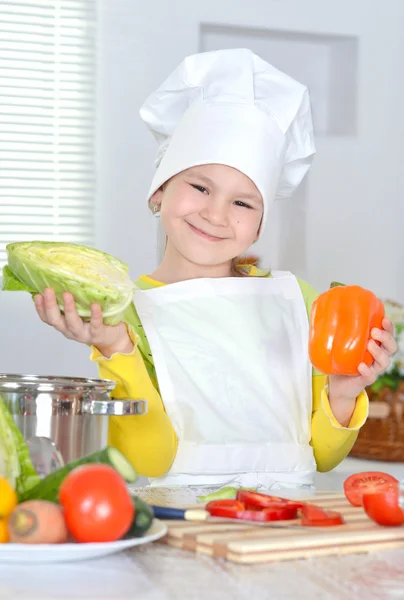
(330, 441)
(148, 441)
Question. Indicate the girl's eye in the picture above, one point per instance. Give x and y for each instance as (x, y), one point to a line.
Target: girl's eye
(243, 204)
(200, 188)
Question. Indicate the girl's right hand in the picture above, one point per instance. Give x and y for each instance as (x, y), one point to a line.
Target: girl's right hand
(107, 339)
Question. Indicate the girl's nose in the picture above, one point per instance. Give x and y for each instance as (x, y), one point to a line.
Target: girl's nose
(216, 211)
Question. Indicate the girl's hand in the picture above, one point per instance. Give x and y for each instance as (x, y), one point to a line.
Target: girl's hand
(343, 390)
(107, 339)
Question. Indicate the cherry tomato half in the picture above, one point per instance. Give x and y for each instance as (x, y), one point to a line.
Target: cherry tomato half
(314, 516)
(383, 508)
(368, 482)
(97, 504)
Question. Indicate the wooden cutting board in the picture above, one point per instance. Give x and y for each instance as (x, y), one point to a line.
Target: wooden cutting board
(251, 544)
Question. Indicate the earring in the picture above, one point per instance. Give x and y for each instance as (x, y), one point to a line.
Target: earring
(156, 208)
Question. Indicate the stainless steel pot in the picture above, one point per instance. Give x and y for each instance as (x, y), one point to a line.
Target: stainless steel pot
(72, 412)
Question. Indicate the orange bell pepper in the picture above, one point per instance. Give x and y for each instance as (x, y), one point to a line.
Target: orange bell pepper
(340, 324)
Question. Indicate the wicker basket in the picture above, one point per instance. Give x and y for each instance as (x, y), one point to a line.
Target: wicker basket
(382, 436)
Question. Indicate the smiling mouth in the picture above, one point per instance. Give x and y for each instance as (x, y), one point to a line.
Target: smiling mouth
(206, 236)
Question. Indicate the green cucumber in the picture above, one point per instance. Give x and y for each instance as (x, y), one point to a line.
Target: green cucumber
(227, 492)
(48, 488)
(143, 518)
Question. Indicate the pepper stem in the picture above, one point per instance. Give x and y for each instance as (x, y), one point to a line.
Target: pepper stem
(336, 284)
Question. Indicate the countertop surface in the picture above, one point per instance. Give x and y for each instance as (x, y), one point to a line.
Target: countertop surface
(157, 572)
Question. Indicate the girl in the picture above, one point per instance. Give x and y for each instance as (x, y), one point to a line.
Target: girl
(220, 350)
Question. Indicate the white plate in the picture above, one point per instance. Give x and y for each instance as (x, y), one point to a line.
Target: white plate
(46, 553)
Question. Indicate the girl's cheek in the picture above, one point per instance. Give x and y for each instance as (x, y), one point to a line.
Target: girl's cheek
(254, 221)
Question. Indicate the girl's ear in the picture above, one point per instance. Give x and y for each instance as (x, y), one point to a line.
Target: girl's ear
(157, 196)
(156, 200)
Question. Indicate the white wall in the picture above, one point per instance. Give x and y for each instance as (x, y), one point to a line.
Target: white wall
(345, 226)
(354, 191)
(28, 346)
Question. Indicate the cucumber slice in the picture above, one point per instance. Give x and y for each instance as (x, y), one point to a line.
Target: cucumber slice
(48, 488)
(120, 463)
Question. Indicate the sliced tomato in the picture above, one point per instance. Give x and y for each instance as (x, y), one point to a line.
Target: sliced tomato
(314, 516)
(367, 482)
(273, 513)
(234, 509)
(256, 500)
(383, 508)
(224, 508)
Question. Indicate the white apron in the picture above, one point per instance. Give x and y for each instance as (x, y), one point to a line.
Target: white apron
(231, 357)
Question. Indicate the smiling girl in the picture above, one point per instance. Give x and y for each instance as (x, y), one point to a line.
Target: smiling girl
(220, 349)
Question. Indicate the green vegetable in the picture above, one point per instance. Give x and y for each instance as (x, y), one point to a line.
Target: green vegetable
(336, 284)
(12, 284)
(226, 492)
(143, 518)
(48, 488)
(15, 461)
(90, 275)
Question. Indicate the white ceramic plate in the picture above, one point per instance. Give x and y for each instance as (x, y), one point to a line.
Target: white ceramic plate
(47, 553)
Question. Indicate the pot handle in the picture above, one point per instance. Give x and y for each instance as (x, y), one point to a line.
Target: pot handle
(114, 408)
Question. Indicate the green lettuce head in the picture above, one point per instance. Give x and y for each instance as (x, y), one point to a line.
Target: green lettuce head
(89, 275)
(15, 461)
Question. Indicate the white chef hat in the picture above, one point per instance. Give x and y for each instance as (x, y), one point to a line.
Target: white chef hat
(231, 107)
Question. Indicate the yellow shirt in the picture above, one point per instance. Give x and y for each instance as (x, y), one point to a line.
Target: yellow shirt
(150, 442)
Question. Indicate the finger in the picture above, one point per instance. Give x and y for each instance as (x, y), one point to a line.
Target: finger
(366, 372)
(96, 322)
(52, 311)
(382, 359)
(387, 325)
(40, 307)
(74, 322)
(369, 375)
(386, 339)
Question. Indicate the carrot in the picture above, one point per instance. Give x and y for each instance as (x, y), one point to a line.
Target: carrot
(37, 522)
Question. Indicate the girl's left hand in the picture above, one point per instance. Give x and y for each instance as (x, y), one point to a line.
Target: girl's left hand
(344, 388)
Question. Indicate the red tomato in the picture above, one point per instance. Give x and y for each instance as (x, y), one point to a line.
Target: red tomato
(234, 509)
(97, 504)
(368, 482)
(383, 508)
(314, 516)
(256, 500)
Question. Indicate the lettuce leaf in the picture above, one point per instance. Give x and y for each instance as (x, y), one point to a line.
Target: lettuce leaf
(15, 461)
(11, 283)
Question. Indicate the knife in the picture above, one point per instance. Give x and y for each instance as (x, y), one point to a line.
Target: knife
(199, 514)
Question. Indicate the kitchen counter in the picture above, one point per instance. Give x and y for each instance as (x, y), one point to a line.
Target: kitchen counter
(334, 479)
(158, 572)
